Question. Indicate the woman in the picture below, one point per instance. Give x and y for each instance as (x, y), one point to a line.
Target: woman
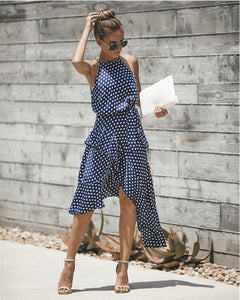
(114, 162)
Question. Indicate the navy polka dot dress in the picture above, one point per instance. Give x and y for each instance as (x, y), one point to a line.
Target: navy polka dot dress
(116, 152)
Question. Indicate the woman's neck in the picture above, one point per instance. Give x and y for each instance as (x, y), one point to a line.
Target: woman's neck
(107, 58)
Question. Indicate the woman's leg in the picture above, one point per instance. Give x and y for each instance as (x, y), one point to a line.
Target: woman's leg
(79, 228)
(126, 230)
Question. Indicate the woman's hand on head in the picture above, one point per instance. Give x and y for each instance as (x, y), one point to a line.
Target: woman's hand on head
(91, 20)
(160, 111)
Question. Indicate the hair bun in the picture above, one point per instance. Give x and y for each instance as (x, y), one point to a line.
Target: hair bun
(106, 14)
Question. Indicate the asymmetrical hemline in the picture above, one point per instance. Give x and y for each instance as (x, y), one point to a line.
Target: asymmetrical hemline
(116, 150)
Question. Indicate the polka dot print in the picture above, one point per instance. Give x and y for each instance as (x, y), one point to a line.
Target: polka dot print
(116, 152)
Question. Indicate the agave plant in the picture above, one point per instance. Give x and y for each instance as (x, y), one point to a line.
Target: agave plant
(111, 244)
(176, 251)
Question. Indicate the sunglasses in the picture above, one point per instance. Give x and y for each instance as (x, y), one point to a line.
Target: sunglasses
(114, 46)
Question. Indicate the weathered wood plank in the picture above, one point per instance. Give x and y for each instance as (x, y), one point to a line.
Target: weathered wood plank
(229, 68)
(74, 114)
(46, 133)
(66, 155)
(46, 92)
(20, 11)
(19, 32)
(201, 45)
(187, 117)
(20, 171)
(29, 212)
(185, 70)
(218, 93)
(184, 45)
(20, 151)
(40, 72)
(197, 117)
(188, 188)
(36, 193)
(208, 20)
(60, 175)
(230, 244)
(227, 260)
(166, 162)
(230, 217)
(165, 140)
(140, 24)
(111, 223)
(12, 52)
(37, 227)
(73, 93)
(164, 186)
(135, 25)
(209, 166)
(40, 173)
(187, 93)
(53, 51)
(193, 141)
(196, 213)
(28, 92)
(64, 218)
(174, 46)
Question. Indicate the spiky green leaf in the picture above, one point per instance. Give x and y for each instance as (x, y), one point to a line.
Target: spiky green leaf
(171, 244)
(208, 253)
(184, 237)
(180, 247)
(196, 248)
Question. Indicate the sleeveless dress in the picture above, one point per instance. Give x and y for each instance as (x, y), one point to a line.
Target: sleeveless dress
(116, 152)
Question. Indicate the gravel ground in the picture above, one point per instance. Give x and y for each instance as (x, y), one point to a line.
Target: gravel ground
(203, 269)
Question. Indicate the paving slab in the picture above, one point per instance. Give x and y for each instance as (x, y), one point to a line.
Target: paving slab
(31, 272)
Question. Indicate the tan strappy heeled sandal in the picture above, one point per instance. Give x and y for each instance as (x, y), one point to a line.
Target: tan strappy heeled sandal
(69, 291)
(121, 288)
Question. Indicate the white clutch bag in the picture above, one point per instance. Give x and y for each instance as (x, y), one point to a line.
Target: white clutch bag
(161, 93)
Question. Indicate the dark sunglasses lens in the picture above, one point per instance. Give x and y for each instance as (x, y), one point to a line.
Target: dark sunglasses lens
(124, 43)
(113, 46)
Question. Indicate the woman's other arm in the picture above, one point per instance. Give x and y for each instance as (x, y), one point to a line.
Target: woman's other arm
(159, 111)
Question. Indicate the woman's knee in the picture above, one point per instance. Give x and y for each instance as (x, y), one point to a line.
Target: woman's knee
(86, 217)
(125, 202)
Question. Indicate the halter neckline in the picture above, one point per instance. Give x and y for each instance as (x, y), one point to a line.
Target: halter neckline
(106, 62)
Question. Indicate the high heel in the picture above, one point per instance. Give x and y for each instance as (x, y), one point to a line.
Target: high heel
(121, 288)
(69, 291)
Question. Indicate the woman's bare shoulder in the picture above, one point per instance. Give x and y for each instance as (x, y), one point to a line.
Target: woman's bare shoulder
(130, 61)
(130, 58)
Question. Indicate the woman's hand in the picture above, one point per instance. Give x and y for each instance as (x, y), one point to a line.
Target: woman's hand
(160, 111)
(91, 19)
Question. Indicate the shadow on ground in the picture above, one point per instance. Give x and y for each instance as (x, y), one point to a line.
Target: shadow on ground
(148, 285)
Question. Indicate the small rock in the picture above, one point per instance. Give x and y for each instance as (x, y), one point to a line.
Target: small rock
(181, 265)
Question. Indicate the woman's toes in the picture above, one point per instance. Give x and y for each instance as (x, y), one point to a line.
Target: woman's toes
(64, 291)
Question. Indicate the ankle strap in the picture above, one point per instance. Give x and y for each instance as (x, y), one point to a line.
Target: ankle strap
(69, 259)
(123, 261)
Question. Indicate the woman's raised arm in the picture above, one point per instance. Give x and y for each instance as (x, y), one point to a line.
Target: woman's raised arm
(81, 65)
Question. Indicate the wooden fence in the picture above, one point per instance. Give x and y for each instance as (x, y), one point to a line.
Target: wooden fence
(45, 114)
